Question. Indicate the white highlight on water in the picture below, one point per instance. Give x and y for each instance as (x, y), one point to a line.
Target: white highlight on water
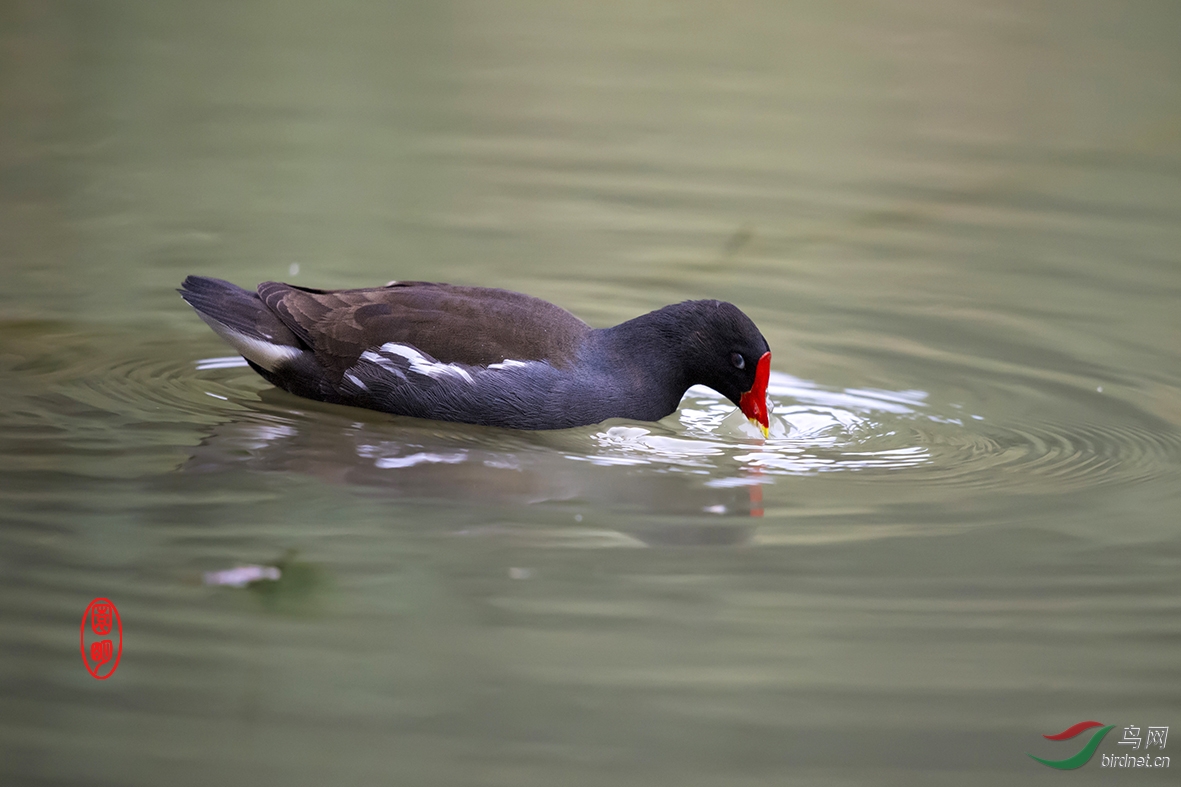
(241, 576)
(225, 362)
(422, 458)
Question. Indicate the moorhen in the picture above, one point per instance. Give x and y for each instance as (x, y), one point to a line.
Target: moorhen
(485, 356)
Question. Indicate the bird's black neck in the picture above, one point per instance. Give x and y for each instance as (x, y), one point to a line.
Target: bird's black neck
(650, 356)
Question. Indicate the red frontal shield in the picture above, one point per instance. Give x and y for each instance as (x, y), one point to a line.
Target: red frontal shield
(753, 403)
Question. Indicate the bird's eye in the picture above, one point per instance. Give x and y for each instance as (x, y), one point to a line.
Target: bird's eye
(738, 361)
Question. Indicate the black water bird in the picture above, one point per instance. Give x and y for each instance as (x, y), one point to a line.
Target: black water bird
(485, 356)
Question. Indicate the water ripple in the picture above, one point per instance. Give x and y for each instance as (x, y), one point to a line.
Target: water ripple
(871, 434)
(817, 430)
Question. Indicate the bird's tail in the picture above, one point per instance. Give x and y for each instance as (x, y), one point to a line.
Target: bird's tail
(241, 318)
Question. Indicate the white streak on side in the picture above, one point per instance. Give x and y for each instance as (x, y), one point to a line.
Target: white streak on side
(420, 364)
(383, 362)
(356, 381)
(266, 354)
(508, 363)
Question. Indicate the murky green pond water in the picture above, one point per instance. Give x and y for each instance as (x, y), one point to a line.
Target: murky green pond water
(957, 224)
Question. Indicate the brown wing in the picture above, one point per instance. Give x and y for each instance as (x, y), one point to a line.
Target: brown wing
(470, 325)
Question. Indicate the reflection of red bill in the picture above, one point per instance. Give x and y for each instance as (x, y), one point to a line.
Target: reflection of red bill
(756, 499)
(101, 617)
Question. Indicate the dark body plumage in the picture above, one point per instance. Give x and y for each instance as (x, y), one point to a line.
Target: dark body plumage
(478, 355)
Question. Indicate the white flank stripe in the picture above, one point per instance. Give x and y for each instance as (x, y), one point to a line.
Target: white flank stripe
(508, 363)
(420, 364)
(383, 362)
(357, 382)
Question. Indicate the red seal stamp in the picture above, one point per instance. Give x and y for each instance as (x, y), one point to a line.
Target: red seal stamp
(101, 626)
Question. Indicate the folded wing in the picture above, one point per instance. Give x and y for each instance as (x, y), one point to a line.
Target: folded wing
(476, 326)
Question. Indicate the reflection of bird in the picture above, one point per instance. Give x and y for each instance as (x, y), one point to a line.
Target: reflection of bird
(502, 477)
(485, 356)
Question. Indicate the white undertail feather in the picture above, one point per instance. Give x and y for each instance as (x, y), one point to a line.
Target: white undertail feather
(266, 354)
